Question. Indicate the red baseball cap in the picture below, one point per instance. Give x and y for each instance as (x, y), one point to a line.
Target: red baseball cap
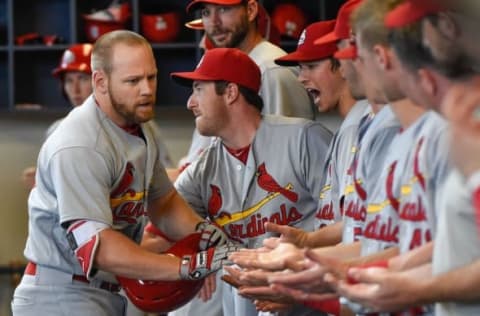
(196, 24)
(342, 27)
(289, 19)
(306, 50)
(411, 11)
(229, 64)
(195, 3)
(349, 52)
(264, 24)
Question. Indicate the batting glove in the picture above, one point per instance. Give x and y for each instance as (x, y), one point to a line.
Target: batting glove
(203, 263)
(212, 235)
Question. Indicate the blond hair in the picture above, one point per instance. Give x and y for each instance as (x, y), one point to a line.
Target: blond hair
(369, 18)
(103, 47)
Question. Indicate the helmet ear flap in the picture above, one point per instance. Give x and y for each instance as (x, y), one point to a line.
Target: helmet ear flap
(165, 296)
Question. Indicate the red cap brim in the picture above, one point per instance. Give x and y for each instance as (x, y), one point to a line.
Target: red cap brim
(196, 24)
(194, 3)
(326, 39)
(349, 52)
(409, 12)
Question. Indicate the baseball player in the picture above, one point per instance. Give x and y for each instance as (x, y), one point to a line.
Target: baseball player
(344, 144)
(99, 177)
(243, 181)
(74, 73)
(233, 23)
(316, 63)
(319, 73)
(455, 259)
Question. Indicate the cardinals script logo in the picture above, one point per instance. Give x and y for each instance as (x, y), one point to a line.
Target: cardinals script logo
(127, 204)
(247, 224)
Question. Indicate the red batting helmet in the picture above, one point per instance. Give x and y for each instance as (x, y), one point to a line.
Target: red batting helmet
(289, 19)
(160, 28)
(113, 18)
(75, 58)
(164, 296)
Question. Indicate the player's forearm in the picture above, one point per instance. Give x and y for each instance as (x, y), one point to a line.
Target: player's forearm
(173, 216)
(340, 251)
(460, 285)
(326, 236)
(416, 257)
(119, 255)
(386, 254)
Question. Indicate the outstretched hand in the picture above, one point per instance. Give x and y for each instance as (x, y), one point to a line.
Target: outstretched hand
(378, 289)
(288, 234)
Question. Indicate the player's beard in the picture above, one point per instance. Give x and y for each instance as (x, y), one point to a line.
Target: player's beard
(237, 35)
(130, 113)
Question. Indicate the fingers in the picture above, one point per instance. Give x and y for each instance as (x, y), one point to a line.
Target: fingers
(260, 293)
(208, 288)
(233, 276)
(275, 228)
(267, 306)
(271, 243)
(300, 295)
(287, 233)
(311, 276)
(369, 275)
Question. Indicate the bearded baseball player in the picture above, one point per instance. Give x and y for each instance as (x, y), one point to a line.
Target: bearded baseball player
(258, 169)
(233, 24)
(99, 177)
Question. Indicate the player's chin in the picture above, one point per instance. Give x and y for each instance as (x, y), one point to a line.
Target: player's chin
(145, 113)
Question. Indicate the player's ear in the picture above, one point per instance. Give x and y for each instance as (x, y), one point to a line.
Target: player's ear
(381, 56)
(427, 81)
(252, 10)
(100, 81)
(231, 92)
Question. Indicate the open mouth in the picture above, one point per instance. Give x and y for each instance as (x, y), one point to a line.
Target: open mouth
(314, 94)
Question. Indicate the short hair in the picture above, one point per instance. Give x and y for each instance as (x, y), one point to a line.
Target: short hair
(410, 48)
(369, 18)
(102, 49)
(334, 63)
(252, 98)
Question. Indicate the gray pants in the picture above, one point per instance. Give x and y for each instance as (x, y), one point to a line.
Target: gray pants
(34, 297)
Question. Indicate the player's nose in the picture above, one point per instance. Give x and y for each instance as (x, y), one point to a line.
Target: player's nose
(191, 102)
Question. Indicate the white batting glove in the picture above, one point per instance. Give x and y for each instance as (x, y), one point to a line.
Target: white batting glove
(212, 235)
(203, 263)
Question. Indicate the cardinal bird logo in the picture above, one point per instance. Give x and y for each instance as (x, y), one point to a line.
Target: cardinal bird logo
(416, 165)
(266, 182)
(215, 203)
(125, 182)
(394, 202)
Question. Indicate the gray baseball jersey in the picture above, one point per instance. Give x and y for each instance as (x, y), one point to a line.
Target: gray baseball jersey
(366, 169)
(423, 175)
(281, 92)
(381, 227)
(339, 158)
(165, 158)
(403, 205)
(456, 243)
(91, 169)
(280, 183)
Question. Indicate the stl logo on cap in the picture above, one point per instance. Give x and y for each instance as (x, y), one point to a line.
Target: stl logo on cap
(301, 40)
(68, 57)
